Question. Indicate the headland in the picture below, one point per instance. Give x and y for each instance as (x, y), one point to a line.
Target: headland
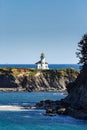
(13, 79)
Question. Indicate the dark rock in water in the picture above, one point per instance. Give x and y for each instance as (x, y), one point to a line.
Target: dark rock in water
(59, 107)
(75, 104)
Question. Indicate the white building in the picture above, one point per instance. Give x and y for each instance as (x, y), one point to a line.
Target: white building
(42, 64)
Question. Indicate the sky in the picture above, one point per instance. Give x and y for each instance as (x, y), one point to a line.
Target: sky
(30, 27)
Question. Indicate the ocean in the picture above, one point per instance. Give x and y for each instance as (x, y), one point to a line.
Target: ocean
(34, 119)
(51, 66)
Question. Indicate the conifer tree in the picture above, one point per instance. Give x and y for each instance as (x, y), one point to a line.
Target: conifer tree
(82, 50)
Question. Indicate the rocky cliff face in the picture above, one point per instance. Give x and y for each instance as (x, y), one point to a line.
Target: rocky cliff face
(7, 80)
(75, 104)
(36, 80)
(78, 89)
(77, 98)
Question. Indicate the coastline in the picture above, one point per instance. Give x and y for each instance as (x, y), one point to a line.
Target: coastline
(33, 80)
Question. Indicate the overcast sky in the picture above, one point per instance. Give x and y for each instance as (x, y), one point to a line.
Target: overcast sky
(29, 27)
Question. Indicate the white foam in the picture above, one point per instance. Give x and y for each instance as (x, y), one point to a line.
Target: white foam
(12, 108)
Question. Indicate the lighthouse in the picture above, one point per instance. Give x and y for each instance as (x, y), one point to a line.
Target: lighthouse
(42, 64)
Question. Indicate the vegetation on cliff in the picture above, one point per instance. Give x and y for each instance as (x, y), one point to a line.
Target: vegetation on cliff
(37, 80)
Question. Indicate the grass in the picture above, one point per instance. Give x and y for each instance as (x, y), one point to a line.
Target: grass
(32, 72)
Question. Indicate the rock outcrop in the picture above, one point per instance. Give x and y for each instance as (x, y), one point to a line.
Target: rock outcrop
(7, 80)
(77, 98)
(36, 80)
(75, 104)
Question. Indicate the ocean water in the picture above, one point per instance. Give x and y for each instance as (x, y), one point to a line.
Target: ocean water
(35, 119)
(51, 66)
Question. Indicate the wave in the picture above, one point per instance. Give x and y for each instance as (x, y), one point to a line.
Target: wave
(15, 108)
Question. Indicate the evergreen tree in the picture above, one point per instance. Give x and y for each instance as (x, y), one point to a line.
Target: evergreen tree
(82, 51)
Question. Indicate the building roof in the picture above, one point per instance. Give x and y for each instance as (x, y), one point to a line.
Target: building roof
(39, 62)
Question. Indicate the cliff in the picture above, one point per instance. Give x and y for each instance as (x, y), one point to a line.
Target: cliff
(36, 80)
(77, 98)
(75, 104)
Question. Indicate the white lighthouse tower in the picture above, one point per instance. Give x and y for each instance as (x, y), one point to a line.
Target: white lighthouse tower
(42, 64)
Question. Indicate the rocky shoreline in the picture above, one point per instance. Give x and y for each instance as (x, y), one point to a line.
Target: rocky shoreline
(36, 80)
(75, 104)
(61, 108)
